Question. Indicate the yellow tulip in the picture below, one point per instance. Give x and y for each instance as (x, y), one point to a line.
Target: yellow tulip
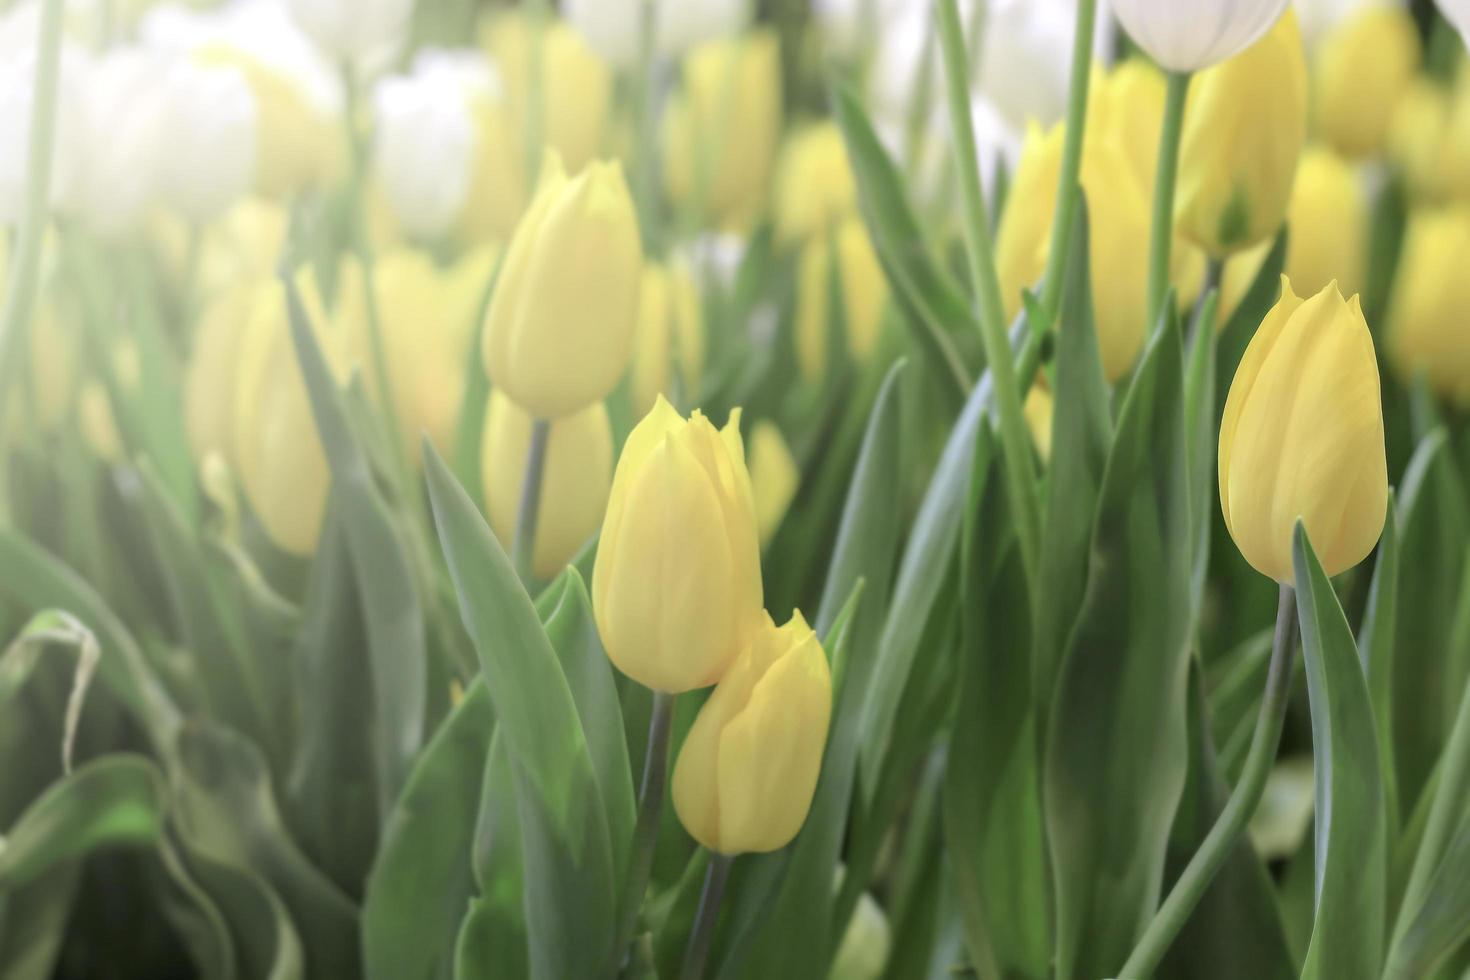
(670, 333)
(1429, 139)
(774, 477)
(1118, 236)
(560, 326)
(1362, 70)
(1244, 127)
(574, 484)
(1427, 313)
(210, 376)
(865, 945)
(98, 424)
(746, 773)
(53, 379)
(862, 285)
(427, 315)
(497, 192)
(676, 589)
(815, 187)
(278, 453)
(1039, 408)
(1302, 437)
(721, 127)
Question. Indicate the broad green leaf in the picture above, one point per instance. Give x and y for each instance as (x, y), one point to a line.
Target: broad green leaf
(1441, 923)
(991, 790)
(421, 881)
(1201, 431)
(493, 934)
(47, 630)
(1081, 433)
(115, 801)
(1376, 643)
(1241, 322)
(469, 428)
(565, 839)
(33, 923)
(1347, 935)
(195, 916)
(934, 308)
(1236, 930)
(381, 566)
(1116, 750)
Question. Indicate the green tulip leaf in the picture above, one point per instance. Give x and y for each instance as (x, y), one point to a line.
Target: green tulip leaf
(33, 923)
(1376, 643)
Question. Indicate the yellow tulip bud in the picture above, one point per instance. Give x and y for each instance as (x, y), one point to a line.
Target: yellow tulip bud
(1244, 127)
(721, 128)
(560, 326)
(863, 287)
(1362, 70)
(278, 453)
(865, 945)
(1427, 311)
(774, 477)
(210, 377)
(748, 768)
(670, 333)
(1118, 235)
(98, 424)
(1039, 408)
(53, 378)
(815, 187)
(497, 192)
(1302, 437)
(576, 85)
(574, 484)
(677, 585)
(1429, 139)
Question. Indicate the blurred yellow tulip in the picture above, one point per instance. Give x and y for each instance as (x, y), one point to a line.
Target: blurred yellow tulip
(497, 192)
(722, 125)
(815, 187)
(1302, 437)
(1039, 408)
(1427, 317)
(677, 586)
(1360, 72)
(1429, 139)
(574, 484)
(670, 334)
(1244, 127)
(746, 773)
(211, 372)
(774, 477)
(861, 284)
(560, 326)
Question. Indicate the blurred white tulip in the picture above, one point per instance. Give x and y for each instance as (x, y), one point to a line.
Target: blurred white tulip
(849, 26)
(611, 27)
(122, 140)
(210, 129)
(353, 29)
(425, 141)
(1458, 13)
(17, 100)
(1188, 36)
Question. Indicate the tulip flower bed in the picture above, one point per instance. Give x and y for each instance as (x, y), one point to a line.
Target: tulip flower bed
(705, 488)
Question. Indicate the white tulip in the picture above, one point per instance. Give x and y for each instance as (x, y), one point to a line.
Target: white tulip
(1189, 36)
(612, 27)
(121, 142)
(425, 141)
(1457, 12)
(353, 29)
(210, 128)
(849, 26)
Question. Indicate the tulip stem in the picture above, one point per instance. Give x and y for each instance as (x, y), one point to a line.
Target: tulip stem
(20, 291)
(1239, 808)
(650, 811)
(523, 549)
(1069, 191)
(715, 878)
(1161, 237)
(1020, 468)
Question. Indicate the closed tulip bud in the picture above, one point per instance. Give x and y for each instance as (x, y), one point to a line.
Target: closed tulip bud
(210, 122)
(122, 141)
(865, 945)
(670, 336)
(210, 376)
(774, 477)
(612, 27)
(677, 586)
(815, 187)
(1302, 437)
(1188, 37)
(97, 423)
(1362, 70)
(1118, 234)
(861, 284)
(1244, 128)
(1428, 333)
(350, 29)
(278, 453)
(574, 484)
(1429, 139)
(560, 326)
(497, 192)
(1039, 409)
(721, 128)
(748, 768)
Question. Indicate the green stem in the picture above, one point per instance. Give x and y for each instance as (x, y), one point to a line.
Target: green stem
(715, 879)
(1444, 815)
(1161, 237)
(523, 549)
(1234, 819)
(25, 275)
(650, 811)
(357, 175)
(1020, 469)
(1069, 191)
